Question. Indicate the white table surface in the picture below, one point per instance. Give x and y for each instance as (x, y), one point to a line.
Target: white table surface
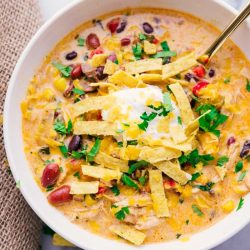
(240, 241)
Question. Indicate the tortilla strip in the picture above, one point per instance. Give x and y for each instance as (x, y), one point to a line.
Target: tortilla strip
(177, 133)
(186, 111)
(173, 170)
(94, 128)
(121, 77)
(101, 172)
(84, 187)
(157, 154)
(152, 78)
(158, 194)
(181, 64)
(58, 240)
(144, 65)
(89, 104)
(111, 162)
(128, 233)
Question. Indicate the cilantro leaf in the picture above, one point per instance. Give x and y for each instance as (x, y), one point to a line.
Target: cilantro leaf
(60, 128)
(240, 204)
(167, 102)
(165, 46)
(146, 118)
(248, 85)
(142, 180)
(77, 175)
(78, 91)
(195, 176)
(136, 165)
(128, 181)
(115, 190)
(206, 187)
(137, 51)
(121, 214)
(143, 125)
(94, 150)
(227, 80)
(194, 158)
(222, 161)
(80, 41)
(64, 150)
(64, 70)
(179, 120)
(238, 166)
(197, 210)
(142, 37)
(161, 54)
(211, 120)
(132, 142)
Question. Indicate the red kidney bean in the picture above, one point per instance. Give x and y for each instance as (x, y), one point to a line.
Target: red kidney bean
(231, 140)
(70, 56)
(125, 41)
(101, 190)
(122, 26)
(99, 73)
(89, 89)
(92, 41)
(50, 174)
(113, 24)
(199, 71)
(76, 71)
(75, 143)
(147, 28)
(200, 85)
(60, 195)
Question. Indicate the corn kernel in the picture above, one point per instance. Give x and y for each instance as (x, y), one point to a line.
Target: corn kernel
(149, 48)
(60, 84)
(89, 201)
(228, 206)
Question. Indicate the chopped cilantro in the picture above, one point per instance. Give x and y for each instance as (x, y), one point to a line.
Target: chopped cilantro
(119, 131)
(211, 120)
(248, 85)
(195, 176)
(167, 102)
(142, 180)
(165, 46)
(242, 175)
(142, 37)
(64, 70)
(197, 210)
(77, 175)
(241, 203)
(206, 187)
(94, 150)
(64, 150)
(60, 128)
(128, 181)
(227, 80)
(120, 215)
(146, 118)
(179, 120)
(132, 142)
(78, 91)
(194, 158)
(80, 41)
(143, 125)
(136, 165)
(137, 51)
(116, 61)
(238, 166)
(115, 190)
(222, 161)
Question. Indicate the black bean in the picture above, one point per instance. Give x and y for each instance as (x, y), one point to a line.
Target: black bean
(121, 26)
(99, 73)
(75, 143)
(211, 73)
(231, 140)
(70, 56)
(147, 28)
(245, 150)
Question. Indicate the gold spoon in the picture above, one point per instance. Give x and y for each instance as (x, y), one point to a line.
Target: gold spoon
(225, 34)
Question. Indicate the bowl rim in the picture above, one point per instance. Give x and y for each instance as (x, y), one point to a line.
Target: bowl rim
(6, 121)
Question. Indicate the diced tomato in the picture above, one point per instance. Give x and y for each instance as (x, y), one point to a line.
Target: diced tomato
(101, 190)
(200, 85)
(199, 71)
(168, 184)
(96, 52)
(171, 183)
(155, 41)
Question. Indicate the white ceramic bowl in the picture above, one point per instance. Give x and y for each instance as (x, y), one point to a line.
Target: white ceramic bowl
(213, 11)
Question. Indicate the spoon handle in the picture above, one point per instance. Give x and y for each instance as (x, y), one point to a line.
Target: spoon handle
(228, 31)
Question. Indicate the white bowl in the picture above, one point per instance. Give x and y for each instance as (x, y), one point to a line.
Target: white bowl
(213, 11)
